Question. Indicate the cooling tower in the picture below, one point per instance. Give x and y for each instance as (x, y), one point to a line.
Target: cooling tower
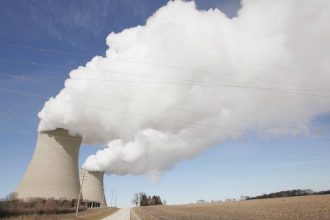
(93, 190)
(53, 170)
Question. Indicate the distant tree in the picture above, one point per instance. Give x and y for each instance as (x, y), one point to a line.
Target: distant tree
(158, 200)
(164, 202)
(309, 191)
(152, 200)
(288, 193)
(11, 196)
(144, 200)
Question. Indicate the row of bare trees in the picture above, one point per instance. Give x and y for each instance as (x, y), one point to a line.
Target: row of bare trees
(12, 206)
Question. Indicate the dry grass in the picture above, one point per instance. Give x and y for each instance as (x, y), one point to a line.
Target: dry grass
(293, 208)
(94, 214)
(12, 206)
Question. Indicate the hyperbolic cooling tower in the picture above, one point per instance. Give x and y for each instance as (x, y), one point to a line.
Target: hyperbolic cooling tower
(53, 170)
(93, 190)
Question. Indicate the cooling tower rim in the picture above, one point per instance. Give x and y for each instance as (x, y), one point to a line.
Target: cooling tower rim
(60, 132)
(94, 171)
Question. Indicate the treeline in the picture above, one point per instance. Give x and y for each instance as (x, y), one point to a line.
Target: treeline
(11, 206)
(289, 193)
(142, 199)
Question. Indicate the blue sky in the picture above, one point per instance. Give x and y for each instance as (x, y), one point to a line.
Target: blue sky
(249, 166)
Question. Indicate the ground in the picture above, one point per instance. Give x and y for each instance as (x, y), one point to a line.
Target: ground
(293, 208)
(95, 214)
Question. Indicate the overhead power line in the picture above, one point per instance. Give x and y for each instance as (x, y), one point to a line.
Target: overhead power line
(203, 55)
(181, 81)
(179, 109)
(181, 121)
(45, 50)
(125, 59)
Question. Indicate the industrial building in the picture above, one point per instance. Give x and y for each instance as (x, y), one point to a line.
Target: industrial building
(93, 190)
(53, 170)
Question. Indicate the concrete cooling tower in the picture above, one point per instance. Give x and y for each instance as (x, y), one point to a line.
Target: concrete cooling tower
(53, 170)
(93, 190)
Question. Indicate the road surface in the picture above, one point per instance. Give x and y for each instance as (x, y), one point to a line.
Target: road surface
(122, 214)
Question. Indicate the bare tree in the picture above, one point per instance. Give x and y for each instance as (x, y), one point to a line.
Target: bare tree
(136, 199)
(243, 198)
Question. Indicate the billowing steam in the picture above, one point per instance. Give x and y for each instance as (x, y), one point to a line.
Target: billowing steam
(188, 80)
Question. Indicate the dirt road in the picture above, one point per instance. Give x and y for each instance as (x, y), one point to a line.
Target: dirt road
(122, 214)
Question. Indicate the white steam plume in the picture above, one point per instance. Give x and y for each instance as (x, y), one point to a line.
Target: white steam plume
(191, 79)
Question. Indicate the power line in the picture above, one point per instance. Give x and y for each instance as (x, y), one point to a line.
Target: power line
(164, 119)
(162, 82)
(45, 50)
(233, 148)
(134, 100)
(145, 82)
(20, 77)
(21, 120)
(191, 82)
(29, 126)
(197, 124)
(163, 50)
(276, 90)
(153, 76)
(32, 63)
(29, 93)
(184, 122)
(55, 35)
(203, 55)
(16, 117)
(24, 93)
(125, 59)
(180, 109)
(16, 136)
(179, 82)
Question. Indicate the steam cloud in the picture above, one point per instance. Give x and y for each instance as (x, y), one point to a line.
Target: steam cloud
(188, 80)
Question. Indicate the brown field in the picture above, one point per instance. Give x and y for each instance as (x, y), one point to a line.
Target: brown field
(95, 214)
(293, 208)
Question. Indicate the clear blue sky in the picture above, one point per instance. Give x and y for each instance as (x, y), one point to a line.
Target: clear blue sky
(249, 166)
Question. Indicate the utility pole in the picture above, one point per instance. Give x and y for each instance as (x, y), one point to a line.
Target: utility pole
(111, 197)
(82, 175)
(115, 199)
